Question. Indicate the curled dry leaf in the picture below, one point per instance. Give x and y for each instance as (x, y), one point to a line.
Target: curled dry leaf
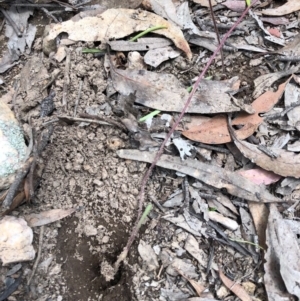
(286, 163)
(47, 217)
(114, 24)
(237, 289)
(164, 92)
(285, 9)
(264, 82)
(276, 20)
(259, 213)
(163, 8)
(215, 130)
(207, 173)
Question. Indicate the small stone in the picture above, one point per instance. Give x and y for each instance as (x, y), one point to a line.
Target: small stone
(15, 240)
(90, 230)
(157, 249)
(222, 292)
(105, 239)
(98, 182)
(115, 143)
(249, 287)
(104, 174)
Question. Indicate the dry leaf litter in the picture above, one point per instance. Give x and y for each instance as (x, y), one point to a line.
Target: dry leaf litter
(226, 191)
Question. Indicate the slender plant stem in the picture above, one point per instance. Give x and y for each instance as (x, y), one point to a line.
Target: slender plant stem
(217, 33)
(141, 196)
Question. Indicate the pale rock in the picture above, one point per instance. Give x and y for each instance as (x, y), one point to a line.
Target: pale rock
(13, 147)
(222, 292)
(157, 249)
(105, 239)
(15, 240)
(90, 230)
(249, 287)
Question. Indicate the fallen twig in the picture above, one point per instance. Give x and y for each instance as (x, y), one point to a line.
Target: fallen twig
(78, 97)
(11, 22)
(38, 255)
(70, 119)
(217, 33)
(141, 195)
(103, 118)
(67, 80)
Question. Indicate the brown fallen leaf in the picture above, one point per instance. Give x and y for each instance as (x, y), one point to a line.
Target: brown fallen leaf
(191, 120)
(286, 163)
(285, 9)
(47, 217)
(215, 130)
(235, 5)
(164, 92)
(259, 213)
(207, 173)
(114, 24)
(260, 176)
(237, 289)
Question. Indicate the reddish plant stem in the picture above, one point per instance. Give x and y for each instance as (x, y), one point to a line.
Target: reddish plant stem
(217, 33)
(141, 197)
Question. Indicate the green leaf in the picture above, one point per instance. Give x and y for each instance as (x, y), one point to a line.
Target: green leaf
(248, 2)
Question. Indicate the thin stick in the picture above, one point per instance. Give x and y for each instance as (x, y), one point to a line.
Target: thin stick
(141, 196)
(75, 119)
(217, 33)
(66, 81)
(50, 15)
(105, 119)
(38, 255)
(11, 22)
(78, 97)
